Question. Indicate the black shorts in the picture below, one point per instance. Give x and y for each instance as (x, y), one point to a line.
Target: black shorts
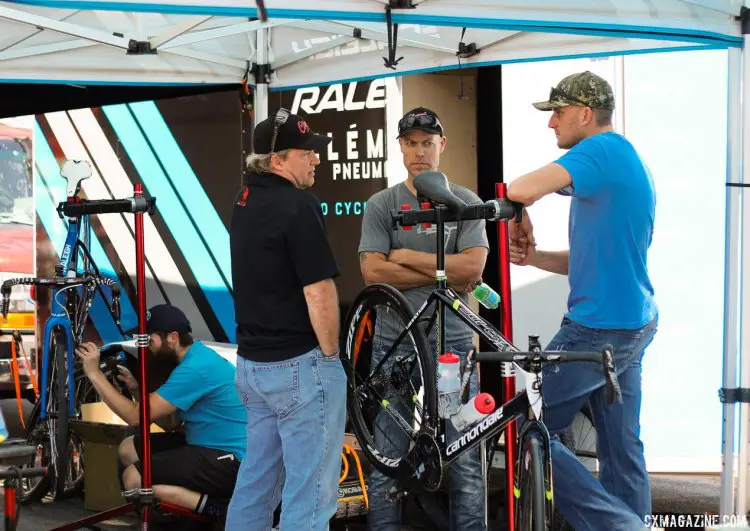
(197, 468)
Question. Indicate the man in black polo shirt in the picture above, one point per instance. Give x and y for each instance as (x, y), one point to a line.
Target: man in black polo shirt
(288, 371)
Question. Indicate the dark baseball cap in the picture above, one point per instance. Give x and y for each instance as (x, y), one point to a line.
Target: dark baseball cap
(584, 89)
(420, 119)
(293, 132)
(164, 318)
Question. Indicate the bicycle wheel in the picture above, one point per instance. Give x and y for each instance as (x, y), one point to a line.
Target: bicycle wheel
(37, 436)
(580, 439)
(391, 387)
(531, 505)
(59, 391)
(583, 432)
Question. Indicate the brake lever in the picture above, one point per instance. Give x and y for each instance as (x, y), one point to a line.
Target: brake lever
(614, 394)
(116, 308)
(6, 307)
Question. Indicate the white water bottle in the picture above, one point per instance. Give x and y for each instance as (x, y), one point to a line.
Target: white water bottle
(449, 385)
(473, 411)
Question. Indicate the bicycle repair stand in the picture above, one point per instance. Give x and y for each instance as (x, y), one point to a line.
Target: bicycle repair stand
(15, 452)
(139, 500)
(508, 372)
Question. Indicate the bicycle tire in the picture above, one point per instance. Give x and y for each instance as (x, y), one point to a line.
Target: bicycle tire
(368, 299)
(58, 349)
(532, 505)
(587, 430)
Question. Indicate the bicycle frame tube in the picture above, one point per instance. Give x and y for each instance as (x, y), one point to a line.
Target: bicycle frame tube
(448, 298)
(484, 430)
(59, 317)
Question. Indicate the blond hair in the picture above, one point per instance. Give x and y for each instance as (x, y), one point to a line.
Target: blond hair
(261, 162)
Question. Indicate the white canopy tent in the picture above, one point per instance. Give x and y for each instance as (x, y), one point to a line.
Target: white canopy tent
(331, 41)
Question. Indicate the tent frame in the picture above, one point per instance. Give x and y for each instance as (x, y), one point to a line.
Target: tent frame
(735, 391)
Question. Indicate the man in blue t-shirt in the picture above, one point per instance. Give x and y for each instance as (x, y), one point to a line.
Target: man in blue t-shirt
(195, 467)
(611, 299)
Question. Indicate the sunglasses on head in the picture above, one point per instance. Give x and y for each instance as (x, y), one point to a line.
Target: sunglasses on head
(420, 120)
(565, 96)
(282, 115)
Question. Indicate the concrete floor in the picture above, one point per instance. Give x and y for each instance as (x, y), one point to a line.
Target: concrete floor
(671, 494)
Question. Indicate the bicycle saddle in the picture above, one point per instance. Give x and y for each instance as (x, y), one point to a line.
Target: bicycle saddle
(75, 171)
(434, 186)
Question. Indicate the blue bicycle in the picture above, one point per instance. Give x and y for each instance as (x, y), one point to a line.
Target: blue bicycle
(64, 388)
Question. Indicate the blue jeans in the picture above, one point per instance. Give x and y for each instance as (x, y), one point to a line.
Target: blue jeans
(466, 495)
(296, 410)
(621, 497)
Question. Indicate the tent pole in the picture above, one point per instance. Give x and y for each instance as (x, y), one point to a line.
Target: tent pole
(744, 282)
(262, 77)
(732, 281)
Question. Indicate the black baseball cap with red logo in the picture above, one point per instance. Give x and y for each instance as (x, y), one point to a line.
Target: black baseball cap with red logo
(284, 130)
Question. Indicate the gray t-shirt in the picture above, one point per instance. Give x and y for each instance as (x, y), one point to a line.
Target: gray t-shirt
(378, 236)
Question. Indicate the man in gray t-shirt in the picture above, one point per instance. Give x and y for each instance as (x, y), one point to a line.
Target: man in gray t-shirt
(406, 260)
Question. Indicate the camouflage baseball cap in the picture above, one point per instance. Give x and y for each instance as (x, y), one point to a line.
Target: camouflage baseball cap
(584, 90)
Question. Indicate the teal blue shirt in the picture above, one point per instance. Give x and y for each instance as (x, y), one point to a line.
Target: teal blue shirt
(611, 226)
(203, 391)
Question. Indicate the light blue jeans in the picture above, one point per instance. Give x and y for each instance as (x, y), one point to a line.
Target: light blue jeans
(296, 410)
(621, 497)
(466, 495)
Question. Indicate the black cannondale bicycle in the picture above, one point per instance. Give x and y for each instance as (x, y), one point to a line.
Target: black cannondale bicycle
(392, 389)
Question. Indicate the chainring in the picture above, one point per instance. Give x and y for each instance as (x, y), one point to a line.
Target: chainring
(428, 461)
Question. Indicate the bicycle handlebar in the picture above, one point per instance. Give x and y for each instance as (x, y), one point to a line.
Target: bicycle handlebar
(606, 357)
(493, 210)
(59, 282)
(84, 207)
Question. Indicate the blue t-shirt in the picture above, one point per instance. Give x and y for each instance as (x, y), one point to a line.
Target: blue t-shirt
(610, 230)
(202, 389)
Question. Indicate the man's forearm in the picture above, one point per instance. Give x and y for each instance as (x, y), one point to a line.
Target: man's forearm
(396, 275)
(552, 261)
(323, 307)
(459, 268)
(122, 407)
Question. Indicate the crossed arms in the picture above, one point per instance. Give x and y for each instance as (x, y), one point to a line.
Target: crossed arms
(406, 268)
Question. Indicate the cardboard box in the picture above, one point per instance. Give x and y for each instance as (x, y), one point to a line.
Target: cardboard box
(101, 432)
(100, 482)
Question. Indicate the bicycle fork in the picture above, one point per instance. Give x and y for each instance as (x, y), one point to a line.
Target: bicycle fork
(540, 430)
(53, 323)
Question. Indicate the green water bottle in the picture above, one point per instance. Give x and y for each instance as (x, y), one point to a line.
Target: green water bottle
(487, 296)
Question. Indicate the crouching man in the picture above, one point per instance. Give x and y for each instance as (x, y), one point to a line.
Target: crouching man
(195, 467)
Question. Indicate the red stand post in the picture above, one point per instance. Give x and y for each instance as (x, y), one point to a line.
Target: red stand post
(142, 342)
(145, 414)
(508, 372)
(11, 516)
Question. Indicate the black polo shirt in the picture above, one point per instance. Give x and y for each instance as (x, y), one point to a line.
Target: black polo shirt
(279, 245)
